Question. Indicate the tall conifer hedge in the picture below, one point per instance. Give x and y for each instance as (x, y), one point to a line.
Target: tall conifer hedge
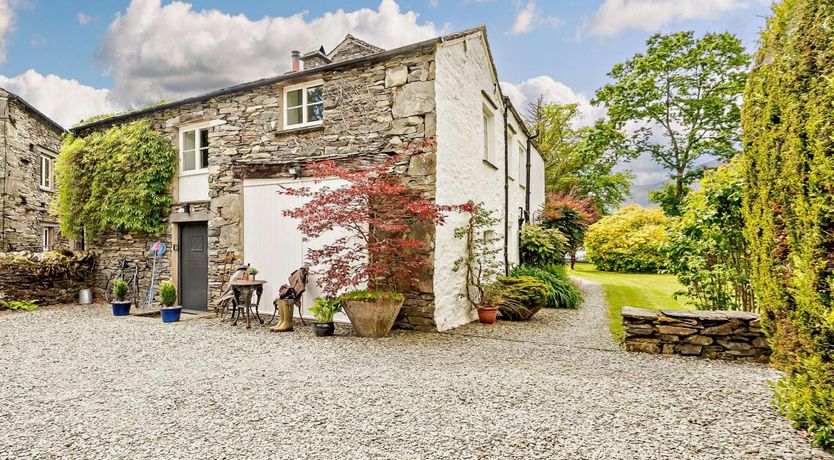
(788, 136)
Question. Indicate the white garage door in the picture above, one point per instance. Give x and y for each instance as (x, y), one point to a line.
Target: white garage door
(272, 242)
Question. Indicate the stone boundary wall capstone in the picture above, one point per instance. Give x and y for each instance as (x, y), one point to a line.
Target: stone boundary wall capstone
(730, 335)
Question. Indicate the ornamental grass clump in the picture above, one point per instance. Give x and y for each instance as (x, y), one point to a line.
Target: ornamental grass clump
(563, 293)
(788, 207)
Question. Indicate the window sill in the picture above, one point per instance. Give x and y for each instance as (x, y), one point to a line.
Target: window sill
(45, 189)
(489, 163)
(194, 172)
(301, 129)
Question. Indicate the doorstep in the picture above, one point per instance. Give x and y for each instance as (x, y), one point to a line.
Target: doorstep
(184, 316)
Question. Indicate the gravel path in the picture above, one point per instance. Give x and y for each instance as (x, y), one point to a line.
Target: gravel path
(76, 382)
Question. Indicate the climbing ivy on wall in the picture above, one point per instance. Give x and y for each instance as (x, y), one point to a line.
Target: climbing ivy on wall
(788, 136)
(119, 179)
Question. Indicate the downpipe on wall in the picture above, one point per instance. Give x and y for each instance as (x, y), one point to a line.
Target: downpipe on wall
(506, 190)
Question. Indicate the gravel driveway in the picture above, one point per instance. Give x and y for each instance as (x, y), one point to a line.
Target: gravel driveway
(77, 382)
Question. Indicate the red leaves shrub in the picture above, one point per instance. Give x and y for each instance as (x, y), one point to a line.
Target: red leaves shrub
(382, 222)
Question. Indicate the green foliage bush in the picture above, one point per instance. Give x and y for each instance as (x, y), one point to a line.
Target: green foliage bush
(119, 179)
(707, 250)
(788, 209)
(167, 293)
(520, 293)
(120, 290)
(564, 294)
(325, 309)
(372, 296)
(631, 240)
(542, 246)
(21, 305)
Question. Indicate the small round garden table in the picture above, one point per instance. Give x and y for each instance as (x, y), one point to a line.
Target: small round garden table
(244, 290)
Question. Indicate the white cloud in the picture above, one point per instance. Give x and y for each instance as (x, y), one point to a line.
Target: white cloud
(615, 16)
(524, 19)
(84, 19)
(528, 18)
(65, 101)
(551, 91)
(172, 51)
(6, 24)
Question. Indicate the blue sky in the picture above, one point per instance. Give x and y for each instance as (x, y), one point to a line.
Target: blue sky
(73, 59)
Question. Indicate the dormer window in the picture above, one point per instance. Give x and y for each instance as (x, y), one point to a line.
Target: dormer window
(303, 105)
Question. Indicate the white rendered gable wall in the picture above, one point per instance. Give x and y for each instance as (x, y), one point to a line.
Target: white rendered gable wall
(463, 71)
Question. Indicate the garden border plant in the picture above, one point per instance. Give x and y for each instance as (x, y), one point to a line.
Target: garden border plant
(789, 206)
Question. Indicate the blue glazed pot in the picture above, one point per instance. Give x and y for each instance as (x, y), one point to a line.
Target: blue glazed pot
(120, 308)
(170, 314)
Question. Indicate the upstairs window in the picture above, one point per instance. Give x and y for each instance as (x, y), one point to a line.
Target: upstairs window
(47, 175)
(522, 164)
(194, 149)
(489, 136)
(303, 105)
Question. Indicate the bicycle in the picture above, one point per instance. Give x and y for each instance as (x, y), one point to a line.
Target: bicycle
(132, 282)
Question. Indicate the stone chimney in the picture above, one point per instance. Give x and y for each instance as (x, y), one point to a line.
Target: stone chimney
(296, 61)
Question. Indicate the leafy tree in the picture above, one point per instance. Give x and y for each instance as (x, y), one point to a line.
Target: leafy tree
(666, 198)
(378, 215)
(707, 250)
(580, 160)
(631, 240)
(678, 101)
(571, 215)
(789, 205)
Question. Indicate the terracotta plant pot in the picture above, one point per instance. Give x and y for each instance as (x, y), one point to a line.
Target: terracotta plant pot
(487, 315)
(373, 319)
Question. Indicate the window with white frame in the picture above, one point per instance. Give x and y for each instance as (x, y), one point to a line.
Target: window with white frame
(522, 165)
(489, 136)
(46, 238)
(512, 159)
(303, 105)
(47, 176)
(194, 149)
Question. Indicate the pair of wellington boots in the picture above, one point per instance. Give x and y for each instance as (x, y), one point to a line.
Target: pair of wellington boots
(284, 307)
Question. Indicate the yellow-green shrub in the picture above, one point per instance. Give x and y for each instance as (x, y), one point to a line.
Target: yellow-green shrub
(788, 121)
(630, 240)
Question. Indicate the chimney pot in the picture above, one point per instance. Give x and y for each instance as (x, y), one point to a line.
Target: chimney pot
(296, 61)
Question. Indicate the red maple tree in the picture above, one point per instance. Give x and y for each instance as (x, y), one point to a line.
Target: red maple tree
(380, 219)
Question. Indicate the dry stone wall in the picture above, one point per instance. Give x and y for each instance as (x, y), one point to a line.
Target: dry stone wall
(49, 278)
(730, 335)
(371, 110)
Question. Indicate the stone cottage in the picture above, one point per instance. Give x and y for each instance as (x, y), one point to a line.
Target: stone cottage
(29, 144)
(356, 104)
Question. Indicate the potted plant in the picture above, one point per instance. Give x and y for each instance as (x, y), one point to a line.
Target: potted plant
(324, 310)
(168, 297)
(488, 308)
(121, 307)
(252, 271)
(480, 261)
(381, 245)
(372, 313)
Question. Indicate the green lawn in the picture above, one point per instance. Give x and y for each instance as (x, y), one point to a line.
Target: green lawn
(634, 290)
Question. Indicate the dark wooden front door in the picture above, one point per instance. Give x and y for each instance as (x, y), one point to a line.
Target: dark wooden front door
(193, 274)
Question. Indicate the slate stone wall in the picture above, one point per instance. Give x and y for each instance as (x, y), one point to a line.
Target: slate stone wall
(26, 207)
(730, 335)
(370, 111)
(48, 278)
